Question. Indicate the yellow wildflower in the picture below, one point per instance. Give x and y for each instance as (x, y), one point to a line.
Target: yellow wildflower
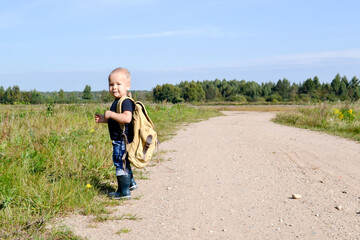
(92, 130)
(83, 150)
(88, 186)
(341, 116)
(350, 111)
(336, 111)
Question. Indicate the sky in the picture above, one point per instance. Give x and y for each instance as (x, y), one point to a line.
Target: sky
(48, 45)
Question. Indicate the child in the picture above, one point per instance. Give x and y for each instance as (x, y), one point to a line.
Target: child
(119, 86)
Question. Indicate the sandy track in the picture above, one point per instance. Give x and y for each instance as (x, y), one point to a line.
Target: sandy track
(232, 177)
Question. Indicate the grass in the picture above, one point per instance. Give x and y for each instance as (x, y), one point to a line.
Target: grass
(255, 108)
(340, 120)
(57, 159)
(123, 230)
(129, 216)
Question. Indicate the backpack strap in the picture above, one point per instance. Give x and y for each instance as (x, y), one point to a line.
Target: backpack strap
(122, 127)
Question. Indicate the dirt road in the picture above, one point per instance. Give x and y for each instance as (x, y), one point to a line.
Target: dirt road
(232, 177)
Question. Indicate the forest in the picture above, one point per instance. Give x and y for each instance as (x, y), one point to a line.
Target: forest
(311, 90)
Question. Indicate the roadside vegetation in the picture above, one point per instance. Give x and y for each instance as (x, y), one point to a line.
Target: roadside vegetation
(54, 159)
(342, 119)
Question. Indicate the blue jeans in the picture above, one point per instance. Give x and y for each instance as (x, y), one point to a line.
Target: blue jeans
(118, 152)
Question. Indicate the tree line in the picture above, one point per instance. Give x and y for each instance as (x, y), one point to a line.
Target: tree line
(311, 89)
(340, 88)
(13, 95)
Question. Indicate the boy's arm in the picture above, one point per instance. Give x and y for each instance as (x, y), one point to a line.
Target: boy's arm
(124, 117)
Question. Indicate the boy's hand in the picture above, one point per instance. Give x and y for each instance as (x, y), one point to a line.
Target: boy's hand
(99, 118)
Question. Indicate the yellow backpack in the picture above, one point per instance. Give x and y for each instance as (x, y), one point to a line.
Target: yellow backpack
(141, 149)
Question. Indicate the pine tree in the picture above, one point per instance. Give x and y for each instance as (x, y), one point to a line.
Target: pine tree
(87, 93)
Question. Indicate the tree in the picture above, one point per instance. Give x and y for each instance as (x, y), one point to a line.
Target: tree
(36, 97)
(354, 83)
(211, 92)
(266, 89)
(193, 92)
(293, 92)
(335, 84)
(308, 86)
(16, 94)
(252, 90)
(61, 96)
(8, 96)
(73, 98)
(353, 88)
(87, 93)
(2, 93)
(167, 93)
(105, 96)
(283, 87)
(225, 89)
(317, 83)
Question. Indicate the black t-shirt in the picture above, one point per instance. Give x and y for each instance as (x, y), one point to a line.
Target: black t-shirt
(114, 126)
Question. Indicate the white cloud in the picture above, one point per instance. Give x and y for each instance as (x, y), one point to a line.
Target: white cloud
(199, 32)
(328, 58)
(309, 58)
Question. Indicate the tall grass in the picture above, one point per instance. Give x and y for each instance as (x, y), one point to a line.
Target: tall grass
(54, 159)
(340, 120)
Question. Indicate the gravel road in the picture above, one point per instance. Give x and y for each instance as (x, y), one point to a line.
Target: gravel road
(233, 177)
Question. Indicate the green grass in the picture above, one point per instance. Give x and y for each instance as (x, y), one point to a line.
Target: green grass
(123, 230)
(340, 120)
(48, 158)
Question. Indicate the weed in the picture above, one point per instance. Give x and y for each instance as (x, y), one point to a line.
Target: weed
(102, 218)
(140, 175)
(343, 121)
(62, 233)
(128, 216)
(123, 230)
(137, 197)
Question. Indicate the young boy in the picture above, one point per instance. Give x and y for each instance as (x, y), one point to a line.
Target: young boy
(119, 86)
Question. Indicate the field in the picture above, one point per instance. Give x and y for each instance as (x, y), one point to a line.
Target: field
(56, 159)
(337, 119)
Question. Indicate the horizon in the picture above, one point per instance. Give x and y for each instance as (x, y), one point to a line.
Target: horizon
(142, 90)
(48, 46)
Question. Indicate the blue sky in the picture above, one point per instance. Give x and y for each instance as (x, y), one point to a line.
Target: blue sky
(50, 45)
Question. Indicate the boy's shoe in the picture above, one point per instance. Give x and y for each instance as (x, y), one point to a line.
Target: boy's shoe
(118, 196)
(123, 191)
(133, 184)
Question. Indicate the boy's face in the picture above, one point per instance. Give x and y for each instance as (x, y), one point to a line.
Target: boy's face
(118, 85)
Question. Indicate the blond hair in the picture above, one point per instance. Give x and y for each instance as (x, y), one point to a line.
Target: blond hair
(123, 71)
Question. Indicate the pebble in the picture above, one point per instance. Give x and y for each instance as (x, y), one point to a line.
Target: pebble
(339, 207)
(296, 196)
(194, 228)
(169, 188)
(224, 230)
